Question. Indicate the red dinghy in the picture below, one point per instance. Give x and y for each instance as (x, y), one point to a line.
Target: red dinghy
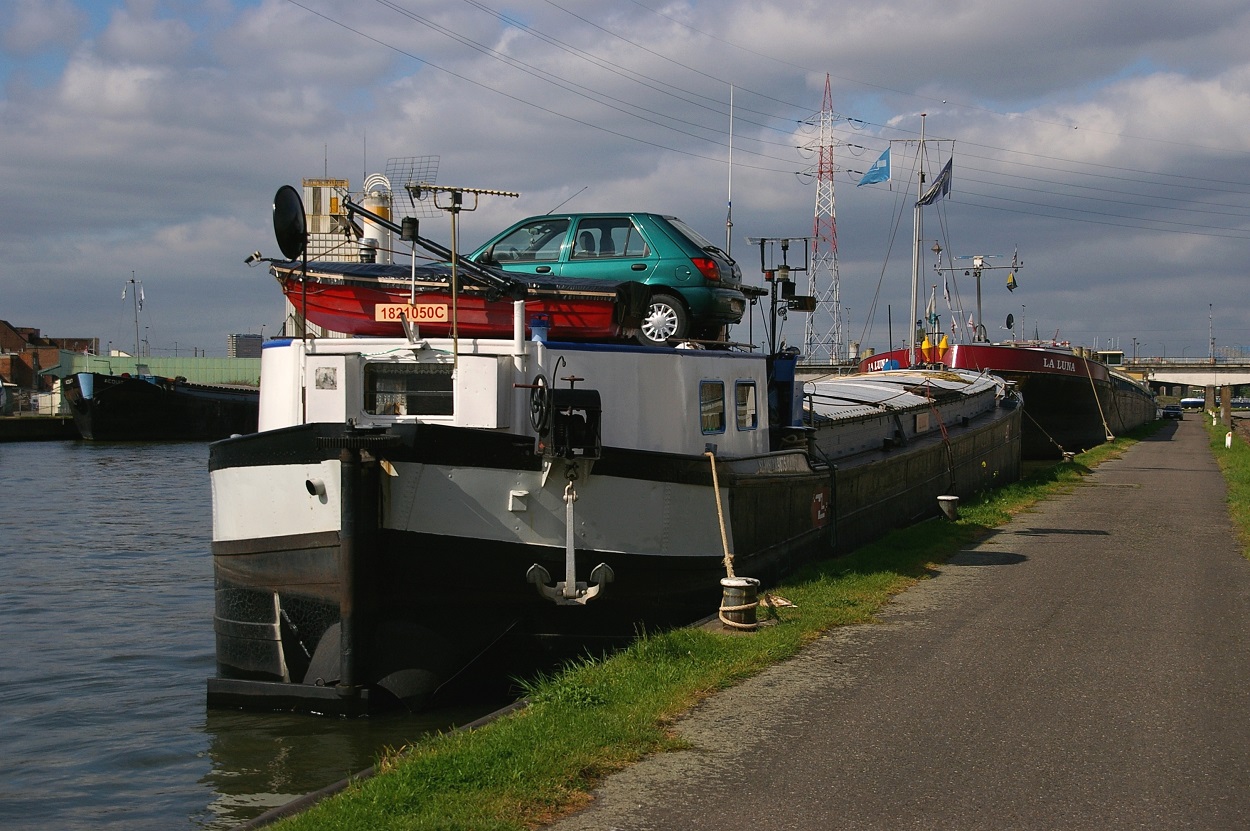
(373, 298)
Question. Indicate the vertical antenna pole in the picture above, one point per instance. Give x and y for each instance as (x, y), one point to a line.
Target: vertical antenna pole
(729, 216)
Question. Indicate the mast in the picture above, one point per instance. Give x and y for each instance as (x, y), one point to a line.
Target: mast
(134, 296)
(917, 223)
(729, 207)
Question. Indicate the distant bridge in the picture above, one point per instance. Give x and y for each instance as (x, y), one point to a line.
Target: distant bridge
(1163, 374)
(1189, 372)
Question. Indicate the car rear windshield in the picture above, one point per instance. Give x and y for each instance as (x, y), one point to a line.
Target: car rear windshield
(691, 234)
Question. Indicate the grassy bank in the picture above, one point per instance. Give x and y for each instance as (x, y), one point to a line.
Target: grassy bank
(599, 716)
(1235, 463)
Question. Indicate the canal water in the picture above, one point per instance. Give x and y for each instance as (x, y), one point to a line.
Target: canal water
(106, 642)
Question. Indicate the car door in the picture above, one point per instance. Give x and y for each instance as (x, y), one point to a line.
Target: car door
(609, 248)
(532, 247)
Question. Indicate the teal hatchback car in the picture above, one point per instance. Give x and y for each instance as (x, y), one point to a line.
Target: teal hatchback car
(695, 286)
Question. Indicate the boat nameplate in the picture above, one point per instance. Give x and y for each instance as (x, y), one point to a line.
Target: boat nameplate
(420, 313)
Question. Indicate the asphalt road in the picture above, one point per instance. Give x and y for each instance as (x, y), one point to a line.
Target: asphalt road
(1084, 668)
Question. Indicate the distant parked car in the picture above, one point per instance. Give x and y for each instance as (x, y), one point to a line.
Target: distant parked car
(695, 286)
(1174, 411)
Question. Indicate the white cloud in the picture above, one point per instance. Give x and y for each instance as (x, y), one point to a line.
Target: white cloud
(1105, 139)
(139, 39)
(31, 26)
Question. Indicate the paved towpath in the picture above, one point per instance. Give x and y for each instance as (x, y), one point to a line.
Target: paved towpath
(1087, 667)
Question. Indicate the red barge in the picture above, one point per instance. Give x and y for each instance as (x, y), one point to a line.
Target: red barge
(1072, 400)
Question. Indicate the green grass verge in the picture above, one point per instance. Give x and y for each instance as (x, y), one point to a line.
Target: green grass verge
(1235, 464)
(598, 716)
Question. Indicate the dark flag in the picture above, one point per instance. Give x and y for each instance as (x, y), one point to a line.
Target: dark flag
(941, 186)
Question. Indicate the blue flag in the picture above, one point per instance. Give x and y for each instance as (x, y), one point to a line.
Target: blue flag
(879, 172)
(941, 186)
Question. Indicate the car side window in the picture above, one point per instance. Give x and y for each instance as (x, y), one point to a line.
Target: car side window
(631, 243)
(610, 237)
(538, 241)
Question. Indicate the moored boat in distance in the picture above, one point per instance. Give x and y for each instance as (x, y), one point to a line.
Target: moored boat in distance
(410, 502)
(1072, 401)
(143, 407)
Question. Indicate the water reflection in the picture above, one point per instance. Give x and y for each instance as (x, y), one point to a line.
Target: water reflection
(106, 621)
(265, 760)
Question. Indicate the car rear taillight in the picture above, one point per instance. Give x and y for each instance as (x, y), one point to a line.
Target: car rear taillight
(708, 268)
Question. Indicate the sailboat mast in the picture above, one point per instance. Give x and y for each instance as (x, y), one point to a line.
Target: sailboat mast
(915, 250)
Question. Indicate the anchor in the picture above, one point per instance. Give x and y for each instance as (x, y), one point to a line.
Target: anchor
(569, 591)
(568, 423)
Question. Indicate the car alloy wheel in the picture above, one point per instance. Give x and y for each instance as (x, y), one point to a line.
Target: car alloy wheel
(665, 319)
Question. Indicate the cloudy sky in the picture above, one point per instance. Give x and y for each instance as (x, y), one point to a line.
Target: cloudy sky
(1108, 141)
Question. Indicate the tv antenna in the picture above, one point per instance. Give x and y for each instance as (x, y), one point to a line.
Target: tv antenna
(409, 174)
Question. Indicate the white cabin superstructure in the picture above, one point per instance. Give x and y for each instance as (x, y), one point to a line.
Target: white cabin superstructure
(488, 385)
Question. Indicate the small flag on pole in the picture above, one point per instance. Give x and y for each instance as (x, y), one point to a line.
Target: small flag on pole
(879, 172)
(941, 186)
(141, 297)
(931, 310)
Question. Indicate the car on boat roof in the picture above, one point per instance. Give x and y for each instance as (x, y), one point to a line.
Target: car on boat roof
(696, 288)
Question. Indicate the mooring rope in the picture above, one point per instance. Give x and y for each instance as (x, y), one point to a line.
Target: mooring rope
(733, 624)
(1044, 433)
(729, 557)
(946, 439)
(720, 516)
(1105, 428)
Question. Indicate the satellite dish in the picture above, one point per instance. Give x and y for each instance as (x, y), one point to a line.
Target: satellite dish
(1011, 321)
(288, 222)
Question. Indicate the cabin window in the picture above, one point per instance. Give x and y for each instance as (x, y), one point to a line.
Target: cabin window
(408, 389)
(748, 413)
(712, 406)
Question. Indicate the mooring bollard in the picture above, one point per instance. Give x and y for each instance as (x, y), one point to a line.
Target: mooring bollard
(739, 599)
(949, 506)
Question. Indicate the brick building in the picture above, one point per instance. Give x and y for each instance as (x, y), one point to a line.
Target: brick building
(24, 353)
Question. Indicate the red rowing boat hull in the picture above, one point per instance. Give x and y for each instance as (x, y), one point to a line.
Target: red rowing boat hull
(350, 307)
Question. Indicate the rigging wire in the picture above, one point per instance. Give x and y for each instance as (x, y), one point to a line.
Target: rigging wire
(1089, 193)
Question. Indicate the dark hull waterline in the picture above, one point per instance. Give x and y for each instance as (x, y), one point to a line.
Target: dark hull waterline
(146, 408)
